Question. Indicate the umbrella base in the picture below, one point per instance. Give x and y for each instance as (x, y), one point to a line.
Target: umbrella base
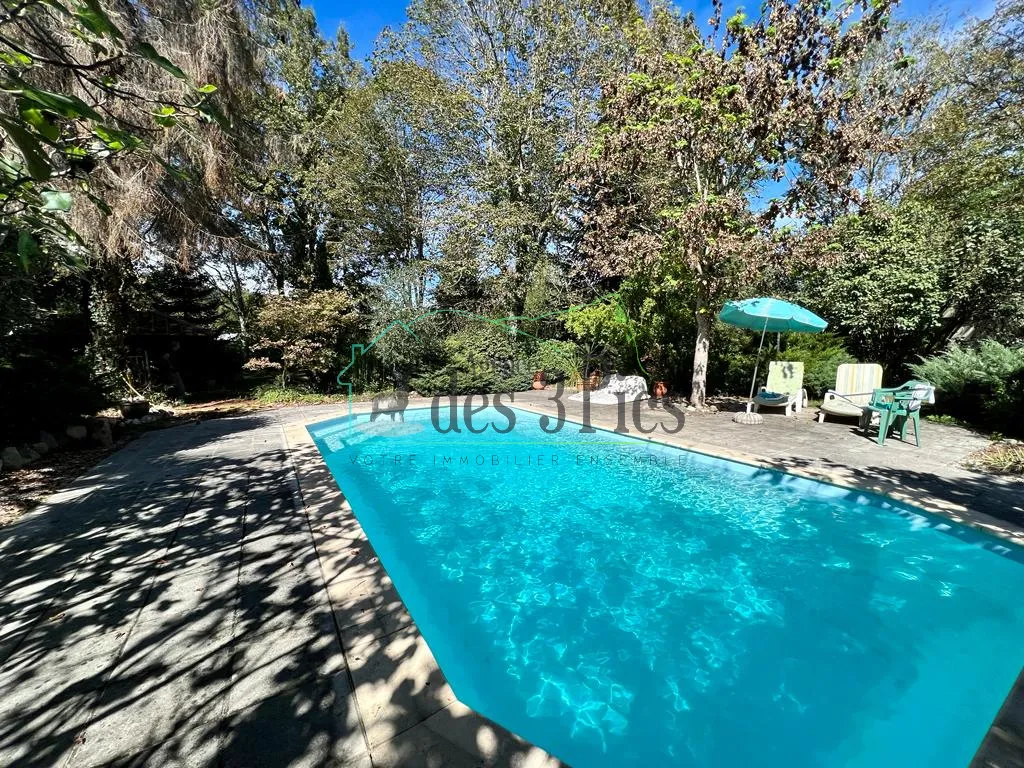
(748, 418)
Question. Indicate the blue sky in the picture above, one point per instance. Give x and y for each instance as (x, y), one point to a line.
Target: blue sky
(364, 19)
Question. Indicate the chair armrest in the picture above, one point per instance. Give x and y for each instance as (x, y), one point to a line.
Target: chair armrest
(833, 395)
(883, 396)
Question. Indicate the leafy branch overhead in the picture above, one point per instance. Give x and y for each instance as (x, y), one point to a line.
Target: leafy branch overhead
(80, 90)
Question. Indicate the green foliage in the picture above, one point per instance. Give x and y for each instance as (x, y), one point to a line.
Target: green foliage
(604, 334)
(521, 102)
(821, 354)
(431, 176)
(560, 361)
(185, 297)
(732, 360)
(982, 385)
(277, 395)
(53, 137)
(986, 274)
(886, 292)
(735, 354)
(539, 301)
(305, 336)
(483, 357)
(690, 137)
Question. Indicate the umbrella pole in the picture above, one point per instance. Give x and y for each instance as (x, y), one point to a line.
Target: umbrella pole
(757, 362)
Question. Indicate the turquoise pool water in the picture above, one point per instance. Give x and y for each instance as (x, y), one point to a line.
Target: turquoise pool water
(621, 603)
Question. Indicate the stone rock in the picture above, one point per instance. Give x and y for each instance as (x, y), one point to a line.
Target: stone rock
(102, 434)
(50, 440)
(77, 432)
(28, 453)
(12, 457)
(41, 448)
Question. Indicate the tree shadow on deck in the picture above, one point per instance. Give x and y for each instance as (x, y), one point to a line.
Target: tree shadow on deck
(169, 608)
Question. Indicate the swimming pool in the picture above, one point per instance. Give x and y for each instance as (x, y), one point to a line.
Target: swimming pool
(623, 603)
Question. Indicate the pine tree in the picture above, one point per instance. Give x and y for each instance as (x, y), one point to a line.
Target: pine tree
(185, 299)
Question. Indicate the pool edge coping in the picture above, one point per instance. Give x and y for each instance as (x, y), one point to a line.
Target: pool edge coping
(1007, 728)
(438, 727)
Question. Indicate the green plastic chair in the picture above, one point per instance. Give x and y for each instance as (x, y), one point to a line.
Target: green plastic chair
(896, 408)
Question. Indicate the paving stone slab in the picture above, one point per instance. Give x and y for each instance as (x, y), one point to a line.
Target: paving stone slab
(269, 664)
(144, 706)
(397, 682)
(456, 736)
(313, 725)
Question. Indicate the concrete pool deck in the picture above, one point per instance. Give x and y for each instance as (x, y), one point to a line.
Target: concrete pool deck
(205, 597)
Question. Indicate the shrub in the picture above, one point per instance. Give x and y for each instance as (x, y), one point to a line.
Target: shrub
(731, 363)
(981, 385)
(306, 334)
(398, 355)
(483, 357)
(886, 309)
(821, 354)
(560, 361)
(47, 380)
(274, 395)
(604, 335)
(734, 354)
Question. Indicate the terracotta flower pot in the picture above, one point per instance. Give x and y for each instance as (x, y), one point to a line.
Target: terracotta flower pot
(593, 381)
(538, 380)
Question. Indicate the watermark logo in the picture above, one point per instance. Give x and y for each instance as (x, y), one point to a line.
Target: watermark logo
(634, 411)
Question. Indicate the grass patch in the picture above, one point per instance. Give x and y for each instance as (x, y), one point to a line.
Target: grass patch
(273, 395)
(943, 418)
(1001, 458)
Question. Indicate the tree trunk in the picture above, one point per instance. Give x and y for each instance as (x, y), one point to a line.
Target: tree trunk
(322, 278)
(698, 390)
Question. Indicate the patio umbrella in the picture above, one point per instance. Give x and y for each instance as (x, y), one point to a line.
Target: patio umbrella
(767, 314)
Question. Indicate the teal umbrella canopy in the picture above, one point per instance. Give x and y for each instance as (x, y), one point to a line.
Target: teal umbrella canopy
(768, 314)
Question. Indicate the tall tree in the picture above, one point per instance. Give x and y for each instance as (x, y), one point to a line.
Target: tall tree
(289, 205)
(969, 159)
(91, 100)
(103, 90)
(529, 74)
(694, 140)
